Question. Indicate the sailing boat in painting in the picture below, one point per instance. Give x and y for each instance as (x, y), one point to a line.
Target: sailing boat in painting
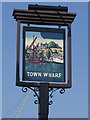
(34, 54)
(44, 52)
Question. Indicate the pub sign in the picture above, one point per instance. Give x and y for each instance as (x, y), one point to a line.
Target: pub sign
(43, 54)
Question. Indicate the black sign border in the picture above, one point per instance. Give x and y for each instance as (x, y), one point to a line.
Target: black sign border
(40, 29)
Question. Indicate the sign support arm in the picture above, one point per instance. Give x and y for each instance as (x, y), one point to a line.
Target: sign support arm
(69, 57)
(18, 53)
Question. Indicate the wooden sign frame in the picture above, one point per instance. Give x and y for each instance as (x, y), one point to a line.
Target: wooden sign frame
(54, 85)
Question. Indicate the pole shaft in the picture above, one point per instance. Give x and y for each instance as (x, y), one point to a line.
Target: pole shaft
(44, 100)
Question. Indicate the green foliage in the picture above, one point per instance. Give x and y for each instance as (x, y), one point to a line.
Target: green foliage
(48, 54)
(55, 51)
(52, 44)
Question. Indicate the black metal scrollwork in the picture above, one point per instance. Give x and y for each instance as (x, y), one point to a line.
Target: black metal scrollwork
(24, 89)
(36, 102)
(62, 91)
(50, 102)
(36, 93)
(52, 90)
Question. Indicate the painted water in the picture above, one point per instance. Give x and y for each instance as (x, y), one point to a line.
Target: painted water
(44, 71)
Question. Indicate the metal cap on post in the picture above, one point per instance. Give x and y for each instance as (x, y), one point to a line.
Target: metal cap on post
(49, 8)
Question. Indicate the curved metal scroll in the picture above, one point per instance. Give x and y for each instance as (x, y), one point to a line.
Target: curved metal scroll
(36, 94)
(52, 90)
(24, 89)
(35, 90)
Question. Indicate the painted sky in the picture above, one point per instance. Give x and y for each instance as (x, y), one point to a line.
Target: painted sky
(29, 39)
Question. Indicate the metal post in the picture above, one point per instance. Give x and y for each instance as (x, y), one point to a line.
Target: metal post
(44, 100)
(18, 52)
(69, 56)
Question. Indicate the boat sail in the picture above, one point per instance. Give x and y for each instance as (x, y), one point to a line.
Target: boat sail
(35, 52)
(43, 52)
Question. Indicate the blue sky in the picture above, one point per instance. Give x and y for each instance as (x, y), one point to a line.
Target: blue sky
(1, 61)
(72, 104)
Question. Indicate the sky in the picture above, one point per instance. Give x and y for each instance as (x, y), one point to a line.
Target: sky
(1, 60)
(74, 102)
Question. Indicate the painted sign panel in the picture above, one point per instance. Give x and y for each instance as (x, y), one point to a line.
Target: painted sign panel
(44, 55)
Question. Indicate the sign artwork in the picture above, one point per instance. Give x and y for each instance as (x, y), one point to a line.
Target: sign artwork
(44, 55)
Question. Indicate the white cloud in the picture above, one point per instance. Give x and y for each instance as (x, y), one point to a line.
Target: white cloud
(29, 41)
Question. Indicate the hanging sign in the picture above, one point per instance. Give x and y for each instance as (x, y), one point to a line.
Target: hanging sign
(43, 54)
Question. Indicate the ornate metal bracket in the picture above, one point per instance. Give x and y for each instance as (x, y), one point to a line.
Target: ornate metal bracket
(52, 90)
(36, 93)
